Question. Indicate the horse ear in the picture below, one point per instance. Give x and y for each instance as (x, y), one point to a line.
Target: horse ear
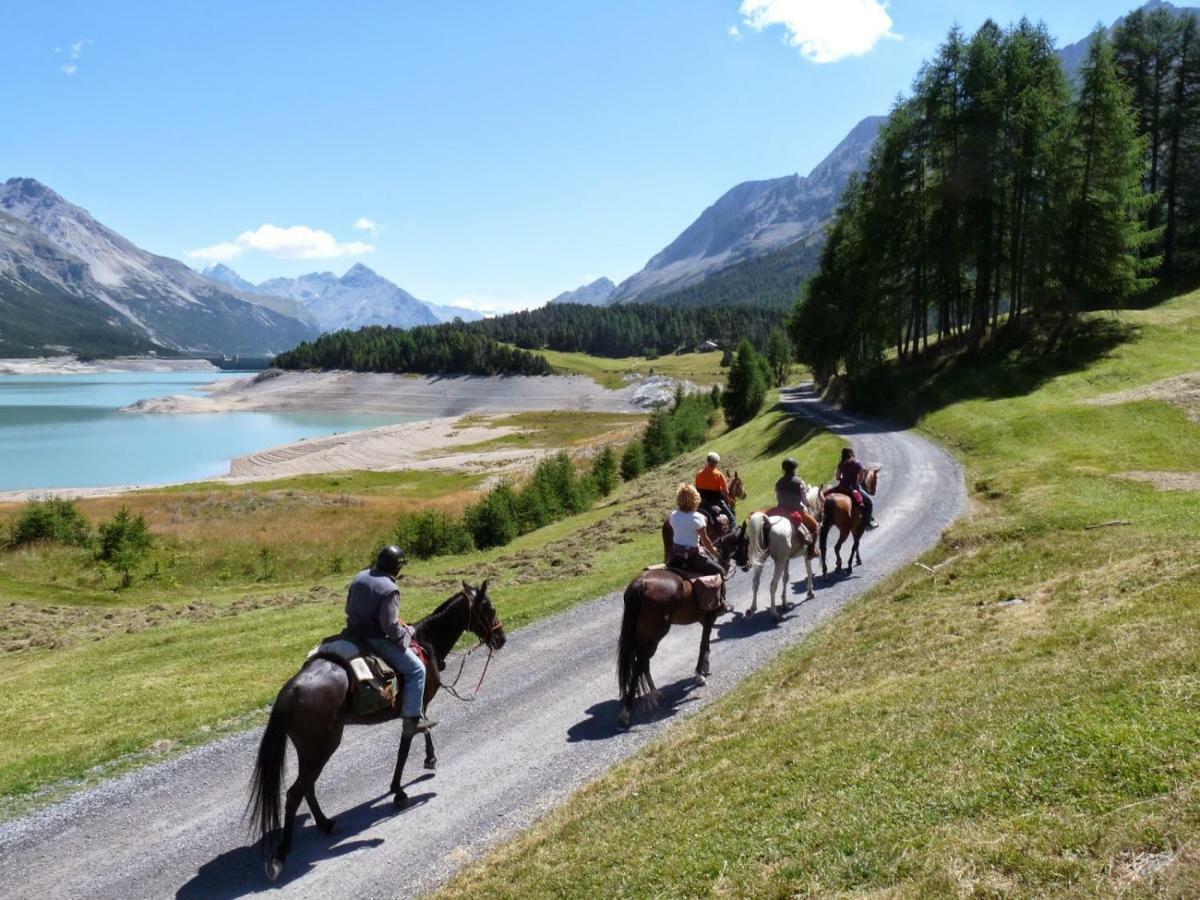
(483, 587)
(468, 588)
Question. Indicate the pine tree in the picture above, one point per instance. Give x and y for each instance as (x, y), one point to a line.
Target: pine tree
(779, 354)
(747, 387)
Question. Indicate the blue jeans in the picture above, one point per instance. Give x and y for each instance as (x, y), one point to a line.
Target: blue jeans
(407, 665)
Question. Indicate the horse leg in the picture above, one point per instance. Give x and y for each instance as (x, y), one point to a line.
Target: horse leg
(776, 577)
(430, 755)
(824, 536)
(837, 548)
(655, 693)
(294, 795)
(702, 669)
(808, 570)
(754, 590)
(400, 799)
(310, 770)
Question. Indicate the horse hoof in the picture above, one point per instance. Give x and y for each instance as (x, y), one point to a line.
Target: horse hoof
(623, 718)
(400, 801)
(329, 827)
(274, 867)
(809, 595)
(701, 681)
(431, 763)
(775, 616)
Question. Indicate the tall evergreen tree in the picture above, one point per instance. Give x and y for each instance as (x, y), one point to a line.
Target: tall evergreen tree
(747, 389)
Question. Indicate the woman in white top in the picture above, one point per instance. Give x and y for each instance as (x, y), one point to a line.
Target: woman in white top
(689, 536)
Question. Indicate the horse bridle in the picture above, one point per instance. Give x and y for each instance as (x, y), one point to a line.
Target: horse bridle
(473, 615)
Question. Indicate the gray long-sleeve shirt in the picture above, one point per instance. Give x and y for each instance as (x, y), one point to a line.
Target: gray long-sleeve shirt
(789, 492)
(373, 607)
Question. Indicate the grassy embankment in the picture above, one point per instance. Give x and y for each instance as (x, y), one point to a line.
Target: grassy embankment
(97, 678)
(699, 368)
(1016, 717)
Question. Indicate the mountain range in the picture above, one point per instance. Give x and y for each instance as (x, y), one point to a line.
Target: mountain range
(358, 298)
(67, 282)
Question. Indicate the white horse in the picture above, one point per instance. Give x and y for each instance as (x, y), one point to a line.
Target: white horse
(775, 537)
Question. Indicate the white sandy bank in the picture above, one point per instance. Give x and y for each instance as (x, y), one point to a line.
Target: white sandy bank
(69, 365)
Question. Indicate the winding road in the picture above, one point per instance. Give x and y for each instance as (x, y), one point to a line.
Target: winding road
(545, 725)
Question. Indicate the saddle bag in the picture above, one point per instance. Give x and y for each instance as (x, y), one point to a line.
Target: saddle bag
(374, 687)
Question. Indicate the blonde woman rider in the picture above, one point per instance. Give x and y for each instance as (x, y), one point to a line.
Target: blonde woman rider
(689, 540)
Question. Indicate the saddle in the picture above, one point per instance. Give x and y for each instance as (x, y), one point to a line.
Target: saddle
(374, 685)
(709, 590)
(719, 520)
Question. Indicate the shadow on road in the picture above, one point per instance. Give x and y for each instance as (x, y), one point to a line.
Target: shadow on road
(601, 721)
(743, 625)
(239, 872)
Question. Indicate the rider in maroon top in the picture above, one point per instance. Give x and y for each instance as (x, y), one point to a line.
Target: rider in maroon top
(849, 475)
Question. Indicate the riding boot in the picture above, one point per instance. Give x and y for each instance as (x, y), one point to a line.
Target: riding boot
(414, 725)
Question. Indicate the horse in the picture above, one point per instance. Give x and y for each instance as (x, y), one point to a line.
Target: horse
(314, 705)
(840, 511)
(654, 601)
(777, 538)
(737, 491)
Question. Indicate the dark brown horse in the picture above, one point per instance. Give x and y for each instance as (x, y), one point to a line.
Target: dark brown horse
(654, 601)
(839, 511)
(314, 706)
(737, 491)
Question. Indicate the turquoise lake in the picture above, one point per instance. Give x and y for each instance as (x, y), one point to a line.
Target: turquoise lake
(68, 431)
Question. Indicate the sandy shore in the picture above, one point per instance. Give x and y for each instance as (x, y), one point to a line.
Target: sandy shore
(436, 444)
(412, 395)
(69, 365)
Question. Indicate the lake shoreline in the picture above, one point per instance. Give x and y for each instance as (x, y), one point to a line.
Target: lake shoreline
(70, 365)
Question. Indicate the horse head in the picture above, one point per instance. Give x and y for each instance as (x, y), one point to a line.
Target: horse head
(481, 617)
(741, 547)
(736, 489)
(870, 479)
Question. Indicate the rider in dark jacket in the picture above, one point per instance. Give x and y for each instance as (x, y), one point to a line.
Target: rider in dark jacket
(373, 615)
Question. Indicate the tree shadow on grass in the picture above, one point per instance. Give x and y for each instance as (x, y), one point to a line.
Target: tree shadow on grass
(239, 872)
(1015, 362)
(788, 433)
(601, 721)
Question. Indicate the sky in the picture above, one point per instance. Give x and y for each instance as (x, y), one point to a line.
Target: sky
(485, 154)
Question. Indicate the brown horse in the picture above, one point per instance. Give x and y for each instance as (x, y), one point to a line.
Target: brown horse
(737, 491)
(314, 706)
(841, 512)
(654, 601)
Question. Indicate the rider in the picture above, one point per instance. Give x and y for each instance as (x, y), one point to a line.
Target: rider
(849, 478)
(790, 500)
(714, 490)
(373, 612)
(689, 536)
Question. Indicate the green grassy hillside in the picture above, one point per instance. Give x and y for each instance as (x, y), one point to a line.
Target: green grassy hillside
(1015, 716)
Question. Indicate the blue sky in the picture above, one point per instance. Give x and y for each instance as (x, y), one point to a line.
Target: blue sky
(500, 152)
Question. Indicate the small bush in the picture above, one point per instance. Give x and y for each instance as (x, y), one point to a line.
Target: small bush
(633, 461)
(493, 520)
(123, 541)
(432, 533)
(604, 471)
(51, 521)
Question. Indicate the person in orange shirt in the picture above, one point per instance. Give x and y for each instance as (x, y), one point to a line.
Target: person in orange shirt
(714, 490)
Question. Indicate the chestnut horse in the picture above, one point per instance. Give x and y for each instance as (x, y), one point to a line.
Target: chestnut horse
(314, 706)
(840, 511)
(654, 601)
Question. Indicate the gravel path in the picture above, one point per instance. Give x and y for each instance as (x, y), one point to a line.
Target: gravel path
(544, 726)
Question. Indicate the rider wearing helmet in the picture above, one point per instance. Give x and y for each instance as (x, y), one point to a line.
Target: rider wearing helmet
(714, 490)
(790, 491)
(373, 612)
(849, 482)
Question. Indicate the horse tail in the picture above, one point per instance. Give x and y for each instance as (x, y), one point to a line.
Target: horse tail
(269, 767)
(627, 655)
(829, 515)
(760, 531)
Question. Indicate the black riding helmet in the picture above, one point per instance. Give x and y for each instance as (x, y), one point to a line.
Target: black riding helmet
(789, 465)
(390, 559)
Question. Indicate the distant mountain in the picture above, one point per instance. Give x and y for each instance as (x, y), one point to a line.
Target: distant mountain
(1073, 55)
(598, 293)
(63, 260)
(360, 297)
(752, 219)
(775, 279)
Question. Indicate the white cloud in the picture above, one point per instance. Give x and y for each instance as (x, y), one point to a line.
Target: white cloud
(69, 68)
(823, 31)
(296, 242)
(362, 223)
(73, 52)
(735, 33)
(492, 306)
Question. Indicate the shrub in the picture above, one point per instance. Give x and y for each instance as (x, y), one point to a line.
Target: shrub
(492, 521)
(633, 461)
(432, 533)
(123, 541)
(53, 521)
(604, 471)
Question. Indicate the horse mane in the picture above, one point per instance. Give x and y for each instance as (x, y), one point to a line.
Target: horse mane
(441, 612)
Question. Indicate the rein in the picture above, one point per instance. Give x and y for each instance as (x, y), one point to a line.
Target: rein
(451, 688)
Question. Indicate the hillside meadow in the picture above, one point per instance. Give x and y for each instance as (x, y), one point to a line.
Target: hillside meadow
(245, 580)
(1014, 715)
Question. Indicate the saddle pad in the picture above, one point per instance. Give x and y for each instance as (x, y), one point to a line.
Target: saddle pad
(349, 653)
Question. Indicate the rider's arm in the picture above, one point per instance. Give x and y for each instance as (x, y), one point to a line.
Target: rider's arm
(389, 618)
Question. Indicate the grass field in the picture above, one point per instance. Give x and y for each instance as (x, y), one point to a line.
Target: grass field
(700, 368)
(96, 680)
(1020, 721)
